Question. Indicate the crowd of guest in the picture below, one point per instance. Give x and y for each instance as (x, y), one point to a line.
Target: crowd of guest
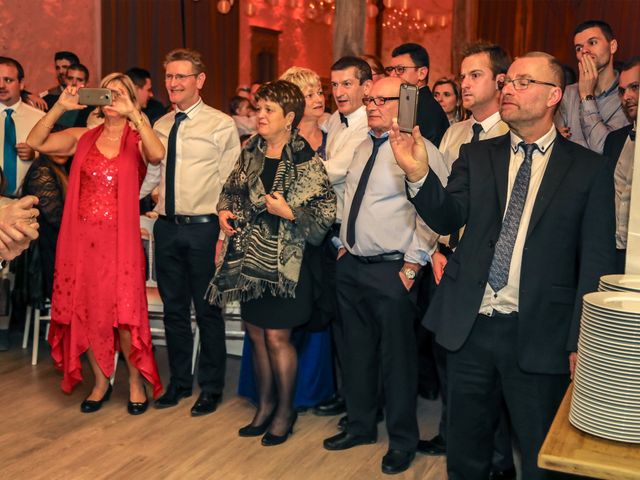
(372, 266)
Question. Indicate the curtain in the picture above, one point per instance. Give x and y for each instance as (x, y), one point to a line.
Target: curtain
(348, 28)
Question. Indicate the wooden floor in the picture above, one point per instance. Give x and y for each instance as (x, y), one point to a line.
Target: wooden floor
(43, 435)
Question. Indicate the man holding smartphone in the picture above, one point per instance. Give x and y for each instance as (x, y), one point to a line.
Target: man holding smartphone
(202, 147)
(383, 245)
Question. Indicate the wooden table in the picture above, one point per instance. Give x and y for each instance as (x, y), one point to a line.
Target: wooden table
(567, 449)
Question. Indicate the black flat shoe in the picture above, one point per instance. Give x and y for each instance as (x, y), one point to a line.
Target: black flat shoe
(207, 403)
(90, 406)
(172, 396)
(269, 439)
(396, 461)
(256, 430)
(138, 408)
(346, 440)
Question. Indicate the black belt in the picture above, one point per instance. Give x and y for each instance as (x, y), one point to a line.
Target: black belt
(384, 257)
(190, 219)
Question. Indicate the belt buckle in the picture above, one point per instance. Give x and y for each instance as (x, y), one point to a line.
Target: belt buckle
(187, 219)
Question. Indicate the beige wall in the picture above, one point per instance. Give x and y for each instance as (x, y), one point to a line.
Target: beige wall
(31, 31)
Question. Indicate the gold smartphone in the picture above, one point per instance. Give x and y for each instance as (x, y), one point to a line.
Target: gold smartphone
(408, 108)
(94, 96)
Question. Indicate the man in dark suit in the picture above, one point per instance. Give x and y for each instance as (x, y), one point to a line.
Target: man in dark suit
(619, 147)
(539, 216)
(410, 62)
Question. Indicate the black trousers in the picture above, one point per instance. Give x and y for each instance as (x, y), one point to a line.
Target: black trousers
(487, 361)
(378, 318)
(185, 256)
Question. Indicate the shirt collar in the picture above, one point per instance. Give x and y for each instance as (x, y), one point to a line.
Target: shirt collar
(489, 122)
(544, 142)
(358, 113)
(373, 135)
(193, 110)
(14, 107)
(613, 88)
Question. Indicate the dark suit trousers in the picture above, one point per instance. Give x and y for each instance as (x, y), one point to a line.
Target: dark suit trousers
(378, 317)
(185, 264)
(487, 361)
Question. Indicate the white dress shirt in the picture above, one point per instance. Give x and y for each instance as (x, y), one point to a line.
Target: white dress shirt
(387, 221)
(507, 299)
(341, 145)
(460, 133)
(623, 178)
(25, 117)
(207, 148)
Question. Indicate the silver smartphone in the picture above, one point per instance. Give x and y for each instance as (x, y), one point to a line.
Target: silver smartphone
(94, 96)
(408, 108)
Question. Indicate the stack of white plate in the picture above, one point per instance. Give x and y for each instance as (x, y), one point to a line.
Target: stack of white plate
(606, 392)
(619, 283)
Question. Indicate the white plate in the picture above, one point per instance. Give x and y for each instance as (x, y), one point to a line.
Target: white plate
(614, 301)
(628, 281)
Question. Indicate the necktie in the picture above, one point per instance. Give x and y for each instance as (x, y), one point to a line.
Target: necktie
(170, 174)
(344, 120)
(499, 270)
(477, 128)
(362, 186)
(10, 166)
(632, 135)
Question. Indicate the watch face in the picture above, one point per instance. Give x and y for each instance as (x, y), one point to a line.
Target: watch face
(409, 273)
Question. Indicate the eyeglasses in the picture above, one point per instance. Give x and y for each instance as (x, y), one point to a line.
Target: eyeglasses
(632, 87)
(521, 83)
(179, 76)
(379, 101)
(399, 69)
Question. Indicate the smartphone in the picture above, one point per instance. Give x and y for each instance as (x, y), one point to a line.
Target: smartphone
(408, 108)
(94, 96)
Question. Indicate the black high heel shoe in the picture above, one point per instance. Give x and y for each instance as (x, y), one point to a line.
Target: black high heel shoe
(257, 430)
(138, 408)
(90, 406)
(269, 439)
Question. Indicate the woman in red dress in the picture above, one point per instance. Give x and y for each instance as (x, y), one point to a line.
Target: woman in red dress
(99, 302)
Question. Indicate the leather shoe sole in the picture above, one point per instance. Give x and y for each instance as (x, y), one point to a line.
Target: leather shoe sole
(396, 461)
(344, 441)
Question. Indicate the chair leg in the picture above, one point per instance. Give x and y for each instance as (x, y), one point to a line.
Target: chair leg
(196, 349)
(36, 337)
(27, 326)
(115, 365)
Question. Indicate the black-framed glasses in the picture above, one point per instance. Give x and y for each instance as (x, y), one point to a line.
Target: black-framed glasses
(632, 87)
(399, 69)
(179, 76)
(379, 101)
(522, 83)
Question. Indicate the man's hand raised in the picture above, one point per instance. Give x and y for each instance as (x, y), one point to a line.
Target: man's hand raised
(410, 152)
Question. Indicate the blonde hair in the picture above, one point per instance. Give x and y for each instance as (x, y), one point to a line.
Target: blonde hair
(126, 83)
(301, 77)
(186, 54)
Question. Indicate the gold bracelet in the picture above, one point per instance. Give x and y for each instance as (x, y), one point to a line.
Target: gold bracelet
(139, 123)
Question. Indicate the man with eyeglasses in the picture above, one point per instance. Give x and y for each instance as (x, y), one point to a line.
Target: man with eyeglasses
(383, 245)
(591, 107)
(346, 129)
(539, 216)
(483, 66)
(620, 147)
(410, 62)
(202, 147)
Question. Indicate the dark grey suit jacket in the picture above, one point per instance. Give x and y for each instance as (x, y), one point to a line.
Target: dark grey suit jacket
(569, 245)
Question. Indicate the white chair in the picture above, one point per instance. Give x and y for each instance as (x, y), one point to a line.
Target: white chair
(34, 315)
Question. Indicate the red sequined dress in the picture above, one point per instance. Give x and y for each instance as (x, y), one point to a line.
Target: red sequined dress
(99, 283)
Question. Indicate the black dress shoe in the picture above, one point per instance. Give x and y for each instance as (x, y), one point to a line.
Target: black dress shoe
(269, 439)
(172, 396)
(90, 406)
(332, 406)
(342, 423)
(436, 446)
(138, 408)
(207, 403)
(345, 440)
(508, 474)
(256, 430)
(396, 461)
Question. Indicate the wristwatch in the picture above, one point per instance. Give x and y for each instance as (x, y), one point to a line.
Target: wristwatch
(588, 97)
(410, 273)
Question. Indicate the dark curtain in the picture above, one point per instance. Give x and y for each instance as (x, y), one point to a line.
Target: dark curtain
(141, 32)
(547, 25)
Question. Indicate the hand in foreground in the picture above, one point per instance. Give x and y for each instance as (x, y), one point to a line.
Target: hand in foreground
(410, 152)
(438, 262)
(15, 239)
(25, 152)
(408, 283)
(277, 205)
(573, 361)
(37, 102)
(68, 100)
(565, 132)
(122, 105)
(223, 217)
(587, 76)
(22, 210)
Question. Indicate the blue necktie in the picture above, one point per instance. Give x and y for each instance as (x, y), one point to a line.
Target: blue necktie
(170, 173)
(356, 203)
(10, 166)
(499, 271)
(477, 128)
